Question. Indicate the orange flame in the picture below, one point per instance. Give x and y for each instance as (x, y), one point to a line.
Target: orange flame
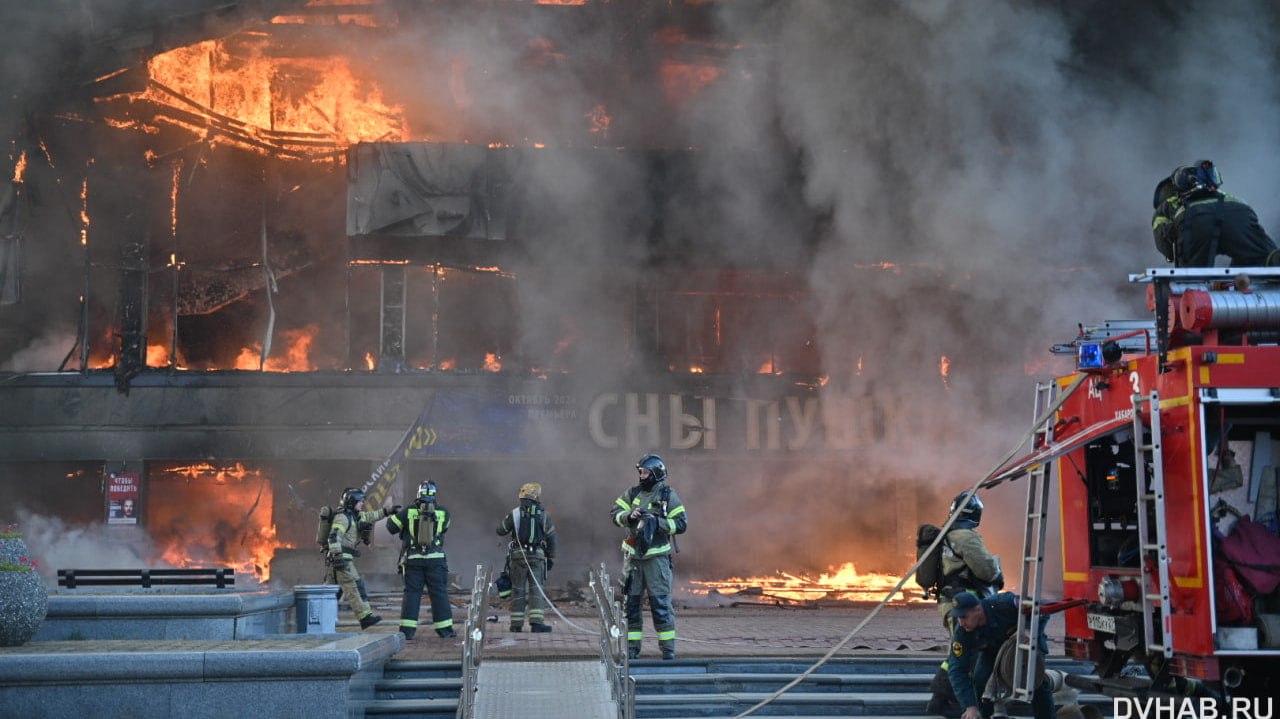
(235, 91)
(448, 364)
(369, 362)
(84, 212)
(843, 583)
(600, 120)
(296, 356)
(944, 369)
(492, 362)
(234, 527)
(20, 168)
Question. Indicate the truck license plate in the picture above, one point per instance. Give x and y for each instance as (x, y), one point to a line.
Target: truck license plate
(1101, 622)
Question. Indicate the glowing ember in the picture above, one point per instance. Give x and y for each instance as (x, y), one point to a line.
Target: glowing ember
(448, 364)
(843, 583)
(84, 212)
(944, 369)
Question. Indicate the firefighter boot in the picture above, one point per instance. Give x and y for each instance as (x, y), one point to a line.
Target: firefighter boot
(446, 633)
(369, 620)
(408, 632)
(943, 700)
(516, 627)
(633, 650)
(668, 648)
(539, 628)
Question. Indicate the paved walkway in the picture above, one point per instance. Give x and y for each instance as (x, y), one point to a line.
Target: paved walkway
(703, 632)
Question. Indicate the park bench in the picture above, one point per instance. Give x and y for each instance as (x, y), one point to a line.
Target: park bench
(73, 578)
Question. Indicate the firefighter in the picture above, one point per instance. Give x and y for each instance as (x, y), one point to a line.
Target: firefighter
(421, 527)
(1194, 222)
(530, 555)
(653, 514)
(968, 567)
(343, 536)
(981, 627)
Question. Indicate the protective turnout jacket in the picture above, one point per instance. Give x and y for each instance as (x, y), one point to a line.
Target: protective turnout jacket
(345, 534)
(540, 533)
(405, 523)
(1002, 621)
(1192, 230)
(966, 561)
(667, 516)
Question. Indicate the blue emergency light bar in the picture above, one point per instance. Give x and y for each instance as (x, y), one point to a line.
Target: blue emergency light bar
(1089, 356)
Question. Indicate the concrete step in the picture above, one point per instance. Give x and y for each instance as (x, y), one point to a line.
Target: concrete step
(417, 688)
(406, 708)
(419, 669)
(762, 682)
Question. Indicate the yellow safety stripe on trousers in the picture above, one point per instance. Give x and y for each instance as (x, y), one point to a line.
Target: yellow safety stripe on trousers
(635, 636)
(667, 635)
(410, 623)
(444, 624)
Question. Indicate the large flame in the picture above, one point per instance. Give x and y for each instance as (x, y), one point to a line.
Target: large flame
(843, 583)
(234, 91)
(213, 515)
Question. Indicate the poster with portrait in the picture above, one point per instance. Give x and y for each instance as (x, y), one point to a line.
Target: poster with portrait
(122, 498)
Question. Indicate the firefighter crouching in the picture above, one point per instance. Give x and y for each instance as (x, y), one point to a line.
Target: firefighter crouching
(531, 553)
(968, 567)
(343, 536)
(421, 527)
(981, 627)
(653, 514)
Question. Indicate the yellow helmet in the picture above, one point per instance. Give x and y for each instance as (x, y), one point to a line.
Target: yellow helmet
(531, 490)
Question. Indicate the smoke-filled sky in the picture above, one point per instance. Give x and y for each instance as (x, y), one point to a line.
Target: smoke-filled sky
(1001, 153)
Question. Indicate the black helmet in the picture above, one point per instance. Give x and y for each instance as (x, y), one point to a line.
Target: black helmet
(1202, 175)
(351, 497)
(970, 509)
(427, 491)
(657, 471)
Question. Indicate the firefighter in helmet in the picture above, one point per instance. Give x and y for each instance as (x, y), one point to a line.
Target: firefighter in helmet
(530, 555)
(421, 527)
(343, 537)
(968, 567)
(1195, 221)
(653, 515)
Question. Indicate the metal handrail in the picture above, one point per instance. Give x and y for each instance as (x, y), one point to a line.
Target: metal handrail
(613, 648)
(473, 641)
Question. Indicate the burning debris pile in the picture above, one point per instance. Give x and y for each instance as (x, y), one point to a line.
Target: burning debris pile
(842, 585)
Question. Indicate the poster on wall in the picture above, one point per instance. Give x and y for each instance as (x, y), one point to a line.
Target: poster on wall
(122, 498)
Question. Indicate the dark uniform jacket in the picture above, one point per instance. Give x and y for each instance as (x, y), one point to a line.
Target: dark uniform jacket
(1002, 621)
(666, 519)
(1219, 225)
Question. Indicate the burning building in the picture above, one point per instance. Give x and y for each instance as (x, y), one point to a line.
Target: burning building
(251, 250)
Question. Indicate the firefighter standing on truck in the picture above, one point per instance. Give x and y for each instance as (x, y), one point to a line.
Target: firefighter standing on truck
(530, 555)
(968, 567)
(343, 536)
(421, 527)
(653, 515)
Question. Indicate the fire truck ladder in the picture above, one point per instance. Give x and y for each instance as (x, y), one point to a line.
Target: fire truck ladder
(1026, 669)
(1150, 507)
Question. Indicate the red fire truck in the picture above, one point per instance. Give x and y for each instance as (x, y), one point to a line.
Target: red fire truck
(1166, 444)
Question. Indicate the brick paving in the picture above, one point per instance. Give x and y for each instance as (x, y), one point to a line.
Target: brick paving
(726, 631)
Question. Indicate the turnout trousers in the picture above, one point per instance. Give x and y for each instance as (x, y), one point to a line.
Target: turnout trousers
(525, 579)
(434, 575)
(650, 577)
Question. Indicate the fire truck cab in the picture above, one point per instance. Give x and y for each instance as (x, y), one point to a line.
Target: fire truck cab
(1166, 447)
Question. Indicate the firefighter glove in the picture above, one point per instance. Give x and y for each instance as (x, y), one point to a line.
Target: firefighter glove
(395, 509)
(550, 563)
(341, 563)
